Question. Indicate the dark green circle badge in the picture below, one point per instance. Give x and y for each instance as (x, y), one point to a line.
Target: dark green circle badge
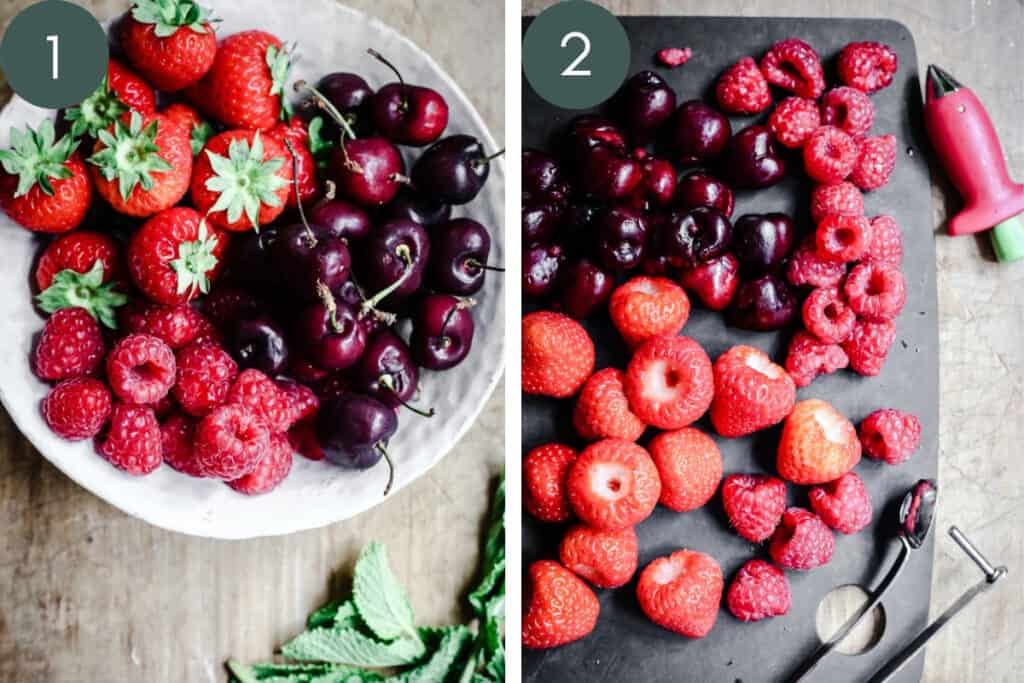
(54, 54)
(575, 54)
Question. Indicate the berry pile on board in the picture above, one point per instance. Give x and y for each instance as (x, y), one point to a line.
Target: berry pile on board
(611, 226)
(225, 271)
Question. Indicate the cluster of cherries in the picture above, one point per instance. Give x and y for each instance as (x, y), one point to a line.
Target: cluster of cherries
(604, 205)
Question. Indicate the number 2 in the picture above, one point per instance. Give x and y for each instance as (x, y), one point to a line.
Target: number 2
(54, 40)
(571, 70)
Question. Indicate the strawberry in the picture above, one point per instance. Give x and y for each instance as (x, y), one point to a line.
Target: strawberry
(241, 180)
(646, 307)
(754, 504)
(81, 268)
(245, 87)
(174, 255)
(817, 445)
(602, 409)
(545, 470)
(681, 592)
(669, 382)
(759, 591)
(77, 408)
(689, 467)
(558, 355)
(607, 559)
(71, 345)
(295, 137)
(170, 42)
(44, 187)
(199, 130)
(142, 167)
(613, 485)
(271, 470)
(802, 541)
(120, 92)
(751, 392)
(558, 607)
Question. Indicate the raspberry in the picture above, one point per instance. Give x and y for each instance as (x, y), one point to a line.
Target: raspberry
(829, 155)
(646, 307)
(272, 469)
(669, 382)
(876, 158)
(71, 345)
(230, 441)
(842, 238)
(886, 241)
(558, 355)
(875, 290)
(890, 435)
(843, 504)
(602, 409)
(205, 374)
(140, 369)
(682, 592)
(848, 109)
(869, 344)
(818, 444)
(132, 440)
(759, 591)
(613, 485)
(793, 65)
(793, 120)
(607, 559)
(545, 470)
(674, 56)
(176, 325)
(558, 607)
(751, 392)
(867, 66)
(77, 408)
(842, 199)
(689, 467)
(302, 401)
(802, 541)
(742, 89)
(754, 504)
(809, 357)
(176, 440)
(827, 316)
(807, 267)
(262, 398)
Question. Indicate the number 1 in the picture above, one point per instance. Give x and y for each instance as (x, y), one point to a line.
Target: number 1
(55, 74)
(571, 70)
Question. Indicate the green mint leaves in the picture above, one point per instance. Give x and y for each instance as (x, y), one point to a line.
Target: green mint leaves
(167, 16)
(380, 600)
(36, 157)
(72, 289)
(244, 181)
(350, 646)
(131, 155)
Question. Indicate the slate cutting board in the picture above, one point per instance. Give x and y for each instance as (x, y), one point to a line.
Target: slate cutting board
(625, 646)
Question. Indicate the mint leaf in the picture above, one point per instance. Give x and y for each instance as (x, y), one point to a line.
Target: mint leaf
(437, 668)
(349, 646)
(492, 580)
(380, 600)
(336, 613)
(301, 673)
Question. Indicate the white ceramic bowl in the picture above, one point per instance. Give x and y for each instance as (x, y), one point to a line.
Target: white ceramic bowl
(315, 493)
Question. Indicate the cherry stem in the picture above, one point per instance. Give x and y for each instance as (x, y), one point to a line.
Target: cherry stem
(402, 250)
(401, 81)
(401, 178)
(330, 304)
(461, 304)
(388, 382)
(487, 160)
(331, 190)
(295, 182)
(326, 105)
(473, 263)
(391, 467)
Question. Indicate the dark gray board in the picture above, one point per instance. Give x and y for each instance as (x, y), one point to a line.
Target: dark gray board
(625, 646)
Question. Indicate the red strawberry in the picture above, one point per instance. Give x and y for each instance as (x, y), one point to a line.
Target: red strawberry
(759, 591)
(802, 541)
(143, 166)
(199, 131)
(120, 92)
(141, 369)
(558, 607)
(45, 186)
(646, 307)
(682, 592)
(245, 87)
(558, 355)
(842, 504)
(77, 408)
(818, 444)
(230, 442)
(177, 436)
(754, 504)
(607, 559)
(545, 470)
(241, 180)
(262, 398)
(295, 137)
(177, 325)
(79, 251)
(70, 282)
(71, 345)
(613, 485)
(205, 373)
(271, 470)
(170, 42)
(602, 409)
(174, 255)
(689, 467)
(751, 392)
(132, 442)
(669, 382)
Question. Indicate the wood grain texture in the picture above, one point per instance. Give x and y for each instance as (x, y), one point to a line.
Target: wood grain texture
(981, 326)
(88, 594)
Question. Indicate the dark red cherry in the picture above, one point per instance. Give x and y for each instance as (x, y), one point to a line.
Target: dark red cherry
(459, 250)
(407, 114)
(642, 104)
(308, 257)
(700, 189)
(751, 159)
(331, 334)
(608, 174)
(341, 219)
(584, 288)
(442, 332)
(695, 236)
(579, 224)
(763, 304)
(543, 178)
(453, 170)
(540, 221)
(540, 268)
(713, 282)
(353, 430)
(393, 260)
(349, 94)
(698, 133)
(621, 237)
(589, 131)
(418, 208)
(763, 241)
(259, 342)
(659, 181)
(367, 171)
(655, 260)
(386, 369)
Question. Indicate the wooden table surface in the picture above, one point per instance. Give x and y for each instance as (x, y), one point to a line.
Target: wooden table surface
(90, 595)
(981, 326)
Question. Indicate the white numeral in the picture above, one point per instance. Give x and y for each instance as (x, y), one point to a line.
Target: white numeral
(571, 70)
(54, 40)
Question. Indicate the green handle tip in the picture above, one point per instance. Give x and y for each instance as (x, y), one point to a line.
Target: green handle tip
(1008, 239)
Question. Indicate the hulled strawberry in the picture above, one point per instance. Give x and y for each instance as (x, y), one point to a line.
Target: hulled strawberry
(241, 180)
(143, 166)
(199, 130)
(295, 137)
(170, 42)
(245, 87)
(44, 186)
(120, 92)
(751, 392)
(174, 255)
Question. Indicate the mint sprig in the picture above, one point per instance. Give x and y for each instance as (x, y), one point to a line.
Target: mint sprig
(380, 600)
(350, 646)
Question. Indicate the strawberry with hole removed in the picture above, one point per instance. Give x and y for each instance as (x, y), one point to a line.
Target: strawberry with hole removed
(669, 382)
(646, 307)
(545, 470)
(751, 392)
(607, 559)
(558, 355)
(613, 485)
(558, 607)
(689, 467)
(818, 444)
(754, 504)
(170, 42)
(682, 592)
(602, 409)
